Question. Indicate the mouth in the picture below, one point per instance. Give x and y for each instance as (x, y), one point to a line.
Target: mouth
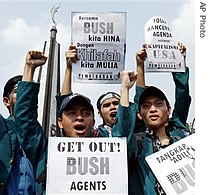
(154, 117)
(113, 114)
(80, 129)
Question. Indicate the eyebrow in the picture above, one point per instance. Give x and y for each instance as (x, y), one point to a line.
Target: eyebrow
(75, 107)
(110, 101)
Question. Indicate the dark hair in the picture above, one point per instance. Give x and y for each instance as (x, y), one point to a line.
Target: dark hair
(75, 97)
(152, 90)
(112, 95)
(9, 86)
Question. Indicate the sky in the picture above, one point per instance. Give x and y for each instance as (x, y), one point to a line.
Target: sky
(26, 25)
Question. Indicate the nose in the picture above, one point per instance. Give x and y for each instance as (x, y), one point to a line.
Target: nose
(113, 106)
(79, 115)
(153, 108)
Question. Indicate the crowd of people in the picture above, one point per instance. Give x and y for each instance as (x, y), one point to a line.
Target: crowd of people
(148, 123)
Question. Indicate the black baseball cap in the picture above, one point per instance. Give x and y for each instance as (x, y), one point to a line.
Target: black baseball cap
(152, 90)
(106, 96)
(72, 98)
(9, 86)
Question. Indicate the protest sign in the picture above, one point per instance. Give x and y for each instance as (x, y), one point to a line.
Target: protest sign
(101, 41)
(87, 166)
(162, 48)
(174, 166)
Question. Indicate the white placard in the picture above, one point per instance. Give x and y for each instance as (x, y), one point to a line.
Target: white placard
(174, 166)
(87, 166)
(162, 49)
(101, 41)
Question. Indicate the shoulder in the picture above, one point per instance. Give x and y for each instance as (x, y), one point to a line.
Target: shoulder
(3, 127)
(180, 133)
(1, 120)
(7, 123)
(94, 133)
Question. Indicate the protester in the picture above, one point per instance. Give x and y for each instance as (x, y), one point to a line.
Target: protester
(108, 101)
(5, 155)
(75, 117)
(17, 174)
(181, 79)
(107, 105)
(66, 94)
(161, 131)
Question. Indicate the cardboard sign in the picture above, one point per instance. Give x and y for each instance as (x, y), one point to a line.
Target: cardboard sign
(101, 40)
(162, 49)
(87, 166)
(174, 166)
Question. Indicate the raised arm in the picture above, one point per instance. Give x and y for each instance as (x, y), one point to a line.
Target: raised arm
(140, 58)
(128, 78)
(34, 59)
(182, 94)
(126, 114)
(140, 82)
(124, 121)
(71, 57)
(29, 131)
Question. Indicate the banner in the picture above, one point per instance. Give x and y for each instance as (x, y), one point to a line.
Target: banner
(162, 49)
(101, 41)
(87, 166)
(174, 166)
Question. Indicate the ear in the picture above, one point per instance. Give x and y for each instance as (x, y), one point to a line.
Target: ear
(169, 111)
(139, 115)
(60, 124)
(6, 101)
(99, 114)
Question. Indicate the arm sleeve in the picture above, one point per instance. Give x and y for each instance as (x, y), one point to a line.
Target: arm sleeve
(139, 124)
(124, 127)
(137, 95)
(29, 131)
(182, 97)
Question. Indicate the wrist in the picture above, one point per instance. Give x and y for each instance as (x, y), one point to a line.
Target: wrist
(28, 72)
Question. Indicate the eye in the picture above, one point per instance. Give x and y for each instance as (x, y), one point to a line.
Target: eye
(115, 103)
(106, 105)
(159, 103)
(15, 90)
(145, 105)
(71, 113)
(86, 113)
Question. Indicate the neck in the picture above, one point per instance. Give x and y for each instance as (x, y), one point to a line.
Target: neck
(163, 137)
(12, 115)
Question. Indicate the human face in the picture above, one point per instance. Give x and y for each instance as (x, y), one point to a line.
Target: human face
(108, 111)
(154, 112)
(77, 121)
(10, 101)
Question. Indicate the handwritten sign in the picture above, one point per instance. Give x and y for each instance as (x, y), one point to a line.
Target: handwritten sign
(101, 41)
(162, 49)
(87, 166)
(174, 166)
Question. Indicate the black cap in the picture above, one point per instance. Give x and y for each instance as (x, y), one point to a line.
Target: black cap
(9, 86)
(106, 96)
(67, 100)
(151, 90)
